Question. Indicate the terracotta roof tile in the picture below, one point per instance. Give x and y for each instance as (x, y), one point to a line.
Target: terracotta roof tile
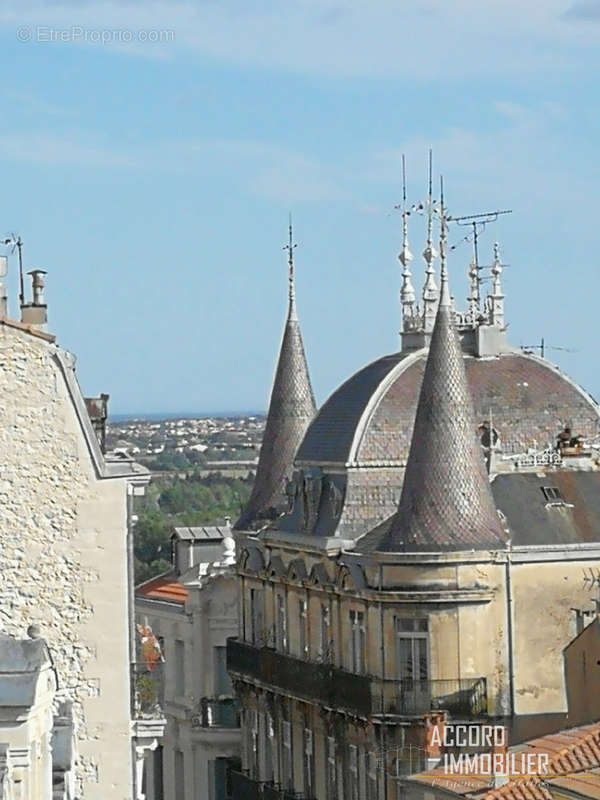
(164, 587)
(574, 762)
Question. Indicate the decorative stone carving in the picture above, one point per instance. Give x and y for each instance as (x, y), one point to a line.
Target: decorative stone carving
(335, 500)
(312, 487)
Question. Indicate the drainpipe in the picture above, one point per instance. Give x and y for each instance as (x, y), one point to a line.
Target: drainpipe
(509, 629)
(131, 625)
(382, 656)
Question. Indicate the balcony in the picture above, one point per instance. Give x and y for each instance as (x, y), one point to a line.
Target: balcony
(217, 713)
(245, 788)
(325, 683)
(362, 694)
(148, 688)
(460, 697)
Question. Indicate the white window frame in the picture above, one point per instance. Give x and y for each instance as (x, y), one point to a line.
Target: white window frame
(353, 772)
(332, 781)
(269, 747)
(309, 762)
(281, 627)
(413, 636)
(325, 632)
(303, 628)
(358, 641)
(287, 744)
(253, 742)
(372, 778)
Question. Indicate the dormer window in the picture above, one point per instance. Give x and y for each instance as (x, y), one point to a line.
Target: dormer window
(552, 494)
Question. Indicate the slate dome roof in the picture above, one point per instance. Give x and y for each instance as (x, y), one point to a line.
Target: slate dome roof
(368, 420)
(361, 436)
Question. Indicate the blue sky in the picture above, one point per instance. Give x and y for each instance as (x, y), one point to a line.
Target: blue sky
(153, 179)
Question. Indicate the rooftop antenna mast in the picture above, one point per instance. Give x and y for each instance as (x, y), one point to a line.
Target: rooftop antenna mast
(16, 243)
(593, 580)
(477, 223)
(542, 347)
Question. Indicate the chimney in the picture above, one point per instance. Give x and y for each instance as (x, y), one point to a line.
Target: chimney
(36, 312)
(97, 408)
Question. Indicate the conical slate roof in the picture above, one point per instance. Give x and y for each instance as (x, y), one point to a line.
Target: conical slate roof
(291, 409)
(446, 501)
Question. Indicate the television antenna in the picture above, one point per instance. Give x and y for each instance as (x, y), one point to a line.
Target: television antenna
(477, 223)
(16, 243)
(593, 580)
(542, 347)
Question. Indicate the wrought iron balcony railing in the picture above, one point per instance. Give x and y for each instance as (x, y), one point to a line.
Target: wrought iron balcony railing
(217, 713)
(244, 787)
(461, 697)
(363, 694)
(330, 685)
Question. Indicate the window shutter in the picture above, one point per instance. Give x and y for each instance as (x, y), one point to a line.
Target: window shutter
(331, 749)
(308, 742)
(372, 766)
(353, 753)
(287, 734)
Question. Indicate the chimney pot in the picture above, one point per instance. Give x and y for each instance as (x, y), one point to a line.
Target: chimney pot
(37, 282)
(35, 313)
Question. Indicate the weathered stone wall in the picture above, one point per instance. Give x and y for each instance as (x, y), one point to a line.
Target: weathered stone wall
(63, 556)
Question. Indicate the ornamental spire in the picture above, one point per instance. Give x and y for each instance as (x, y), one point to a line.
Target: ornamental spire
(496, 298)
(430, 292)
(291, 409)
(446, 502)
(407, 293)
(445, 299)
(290, 247)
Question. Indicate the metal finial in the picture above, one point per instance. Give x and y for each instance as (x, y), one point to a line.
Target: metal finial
(429, 253)
(496, 265)
(430, 291)
(496, 298)
(445, 299)
(407, 293)
(290, 247)
(406, 255)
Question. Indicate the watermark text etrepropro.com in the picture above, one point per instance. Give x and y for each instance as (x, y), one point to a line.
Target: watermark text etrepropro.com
(80, 34)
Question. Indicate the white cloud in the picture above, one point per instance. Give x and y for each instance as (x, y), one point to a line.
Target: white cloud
(348, 38)
(584, 11)
(262, 169)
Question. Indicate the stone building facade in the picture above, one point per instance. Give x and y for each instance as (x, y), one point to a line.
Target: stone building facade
(407, 586)
(192, 610)
(32, 740)
(65, 528)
